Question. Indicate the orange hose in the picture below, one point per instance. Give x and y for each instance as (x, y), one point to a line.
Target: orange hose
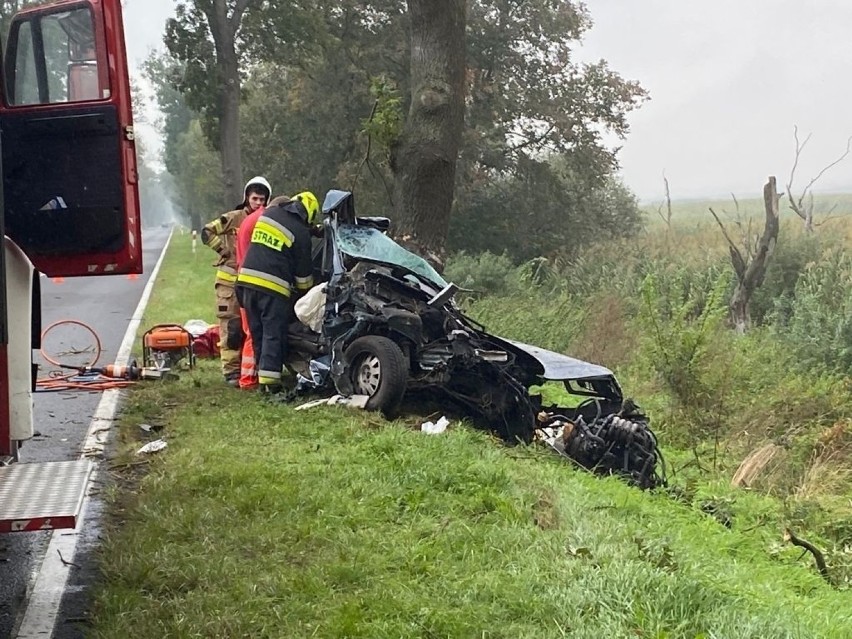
(59, 381)
(78, 323)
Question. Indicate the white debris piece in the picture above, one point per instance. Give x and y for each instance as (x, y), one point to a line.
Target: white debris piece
(152, 447)
(435, 428)
(355, 401)
(196, 327)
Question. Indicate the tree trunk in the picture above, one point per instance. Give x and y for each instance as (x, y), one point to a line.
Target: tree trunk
(750, 276)
(229, 128)
(224, 31)
(424, 159)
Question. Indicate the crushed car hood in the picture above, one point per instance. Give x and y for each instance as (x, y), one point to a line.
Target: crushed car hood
(558, 367)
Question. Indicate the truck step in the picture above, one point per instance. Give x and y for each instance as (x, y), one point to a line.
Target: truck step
(42, 496)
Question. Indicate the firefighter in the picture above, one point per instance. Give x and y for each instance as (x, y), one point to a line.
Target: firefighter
(248, 365)
(275, 271)
(220, 235)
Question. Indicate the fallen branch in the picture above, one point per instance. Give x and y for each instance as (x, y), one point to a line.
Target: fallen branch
(802, 543)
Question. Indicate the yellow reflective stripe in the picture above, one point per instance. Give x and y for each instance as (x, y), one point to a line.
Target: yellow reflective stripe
(225, 276)
(266, 276)
(304, 283)
(279, 227)
(268, 377)
(263, 283)
(270, 236)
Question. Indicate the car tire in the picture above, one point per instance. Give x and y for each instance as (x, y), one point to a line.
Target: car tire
(378, 368)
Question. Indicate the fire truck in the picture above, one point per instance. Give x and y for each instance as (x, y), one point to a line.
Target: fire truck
(69, 206)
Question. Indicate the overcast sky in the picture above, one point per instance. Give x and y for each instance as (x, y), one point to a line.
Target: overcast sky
(728, 81)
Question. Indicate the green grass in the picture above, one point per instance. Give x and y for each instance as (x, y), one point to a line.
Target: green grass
(262, 521)
(838, 203)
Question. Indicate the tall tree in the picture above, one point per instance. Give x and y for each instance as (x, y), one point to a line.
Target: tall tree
(204, 36)
(353, 83)
(320, 101)
(199, 185)
(535, 125)
(164, 72)
(424, 159)
(7, 10)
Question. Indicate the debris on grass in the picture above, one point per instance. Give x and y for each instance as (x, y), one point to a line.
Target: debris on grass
(435, 428)
(353, 401)
(152, 447)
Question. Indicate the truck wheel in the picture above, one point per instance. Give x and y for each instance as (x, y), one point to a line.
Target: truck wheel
(378, 368)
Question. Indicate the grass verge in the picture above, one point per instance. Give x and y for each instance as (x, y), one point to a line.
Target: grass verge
(263, 521)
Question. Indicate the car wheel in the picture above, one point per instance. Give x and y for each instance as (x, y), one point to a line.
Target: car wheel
(377, 368)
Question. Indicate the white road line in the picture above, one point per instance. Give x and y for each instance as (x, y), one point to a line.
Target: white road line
(52, 578)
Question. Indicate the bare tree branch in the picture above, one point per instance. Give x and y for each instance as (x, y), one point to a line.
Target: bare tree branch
(736, 256)
(667, 218)
(237, 15)
(833, 164)
(790, 536)
(798, 206)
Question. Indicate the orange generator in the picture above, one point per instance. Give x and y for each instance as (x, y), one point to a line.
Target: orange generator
(165, 345)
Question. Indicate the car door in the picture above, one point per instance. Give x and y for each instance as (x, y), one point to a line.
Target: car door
(68, 152)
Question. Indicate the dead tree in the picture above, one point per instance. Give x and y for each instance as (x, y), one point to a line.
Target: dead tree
(803, 205)
(750, 263)
(667, 216)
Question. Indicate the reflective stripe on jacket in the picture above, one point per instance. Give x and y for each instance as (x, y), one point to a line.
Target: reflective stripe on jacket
(226, 275)
(278, 258)
(221, 235)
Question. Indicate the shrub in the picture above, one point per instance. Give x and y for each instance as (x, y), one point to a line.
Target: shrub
(794, 251)
(485, 273)
(820, 322)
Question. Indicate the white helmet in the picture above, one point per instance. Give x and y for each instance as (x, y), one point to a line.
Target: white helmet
(258, 180)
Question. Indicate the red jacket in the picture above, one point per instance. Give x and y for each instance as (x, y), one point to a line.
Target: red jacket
(244, 235)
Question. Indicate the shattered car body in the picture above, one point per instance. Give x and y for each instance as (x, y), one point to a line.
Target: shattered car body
(391, 327)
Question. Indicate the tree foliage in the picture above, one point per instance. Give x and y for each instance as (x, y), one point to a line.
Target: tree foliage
(163, 72)
(205, 36)
(327, 94)
(544, 208)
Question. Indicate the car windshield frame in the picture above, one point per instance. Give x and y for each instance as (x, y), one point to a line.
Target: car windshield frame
(367, 243)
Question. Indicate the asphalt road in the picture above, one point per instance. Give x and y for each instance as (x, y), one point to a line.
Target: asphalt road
(61, 421)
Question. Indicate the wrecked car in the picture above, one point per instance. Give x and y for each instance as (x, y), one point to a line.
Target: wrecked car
(390, 327)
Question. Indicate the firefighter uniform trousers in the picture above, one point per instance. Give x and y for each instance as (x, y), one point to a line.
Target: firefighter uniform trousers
(248, 365)
(230, 328)
(269, 316)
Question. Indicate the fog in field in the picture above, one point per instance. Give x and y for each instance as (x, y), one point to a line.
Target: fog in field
(728, 80)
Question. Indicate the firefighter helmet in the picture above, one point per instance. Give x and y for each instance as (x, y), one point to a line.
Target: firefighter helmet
(311, 204)
(260, 181)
